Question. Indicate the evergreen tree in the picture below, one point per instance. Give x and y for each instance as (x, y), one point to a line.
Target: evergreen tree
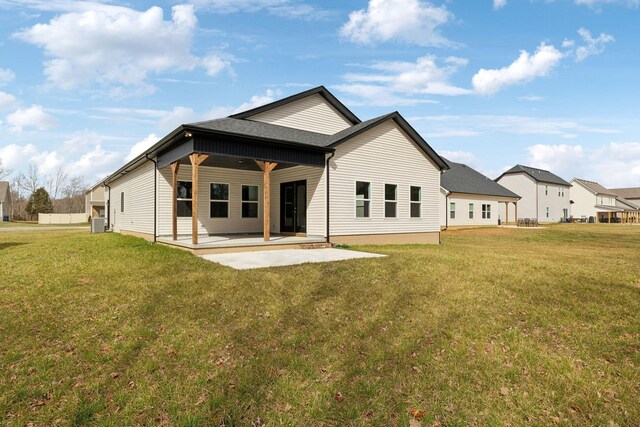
(39, 202)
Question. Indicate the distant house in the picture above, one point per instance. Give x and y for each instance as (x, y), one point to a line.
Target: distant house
(5, 201)
(300, 170)
(631, 194)
(94, 202)
(544, 195)
(604, 205)
(467, 197)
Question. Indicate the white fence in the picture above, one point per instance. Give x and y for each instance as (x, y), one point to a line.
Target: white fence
(70, 218)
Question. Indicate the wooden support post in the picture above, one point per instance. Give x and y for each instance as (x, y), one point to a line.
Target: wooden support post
(516, 205)
(609, 217)
(506, 205)
(195, 159)
(266, 167)
(175, 166)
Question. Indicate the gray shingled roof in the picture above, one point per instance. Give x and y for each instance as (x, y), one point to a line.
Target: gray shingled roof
(4, 188)
(596, 188)
(626, 204)
(461, 178)
(628, 193)
(539, 175)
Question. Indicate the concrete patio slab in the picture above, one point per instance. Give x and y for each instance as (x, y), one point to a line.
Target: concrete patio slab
(263, 259)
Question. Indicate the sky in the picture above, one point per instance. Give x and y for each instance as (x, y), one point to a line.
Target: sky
(490, 83)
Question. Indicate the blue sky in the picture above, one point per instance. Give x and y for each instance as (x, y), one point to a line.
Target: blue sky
(492, 83)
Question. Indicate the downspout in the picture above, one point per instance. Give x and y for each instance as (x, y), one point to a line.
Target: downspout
(328, 198)
(446, 212)
(108, 207)
(155, 197)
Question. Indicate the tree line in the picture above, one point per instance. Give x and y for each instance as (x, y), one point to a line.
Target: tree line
(33, 192)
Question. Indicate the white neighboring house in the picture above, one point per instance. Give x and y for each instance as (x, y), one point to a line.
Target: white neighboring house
(300, 170)
(467, 197)
(544, 195)
(5, 201)
(604, 205)
(631, 194)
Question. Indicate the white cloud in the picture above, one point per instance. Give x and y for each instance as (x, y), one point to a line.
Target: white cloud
(95, 163)
(499, 4)
(139, 147)
(594, 45)
(7, 101)
(532, 98)
(408, 21)
(215, 64)
(114, 45)
(14, 155)
(616, 164)
(525, 68)
(465, 157)
(6, 75)
(399, 82)
(598, 3)
(32, 117)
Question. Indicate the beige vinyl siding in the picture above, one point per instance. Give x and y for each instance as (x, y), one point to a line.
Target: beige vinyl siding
(584, 201)
(312, 113)
(555, 203)
(207, 225)
(524, 186)
(138, 213)
(383, 155)
(534, 201)
(316, 199)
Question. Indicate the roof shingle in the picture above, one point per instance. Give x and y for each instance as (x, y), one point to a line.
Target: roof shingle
(539, 175)
(461, 178)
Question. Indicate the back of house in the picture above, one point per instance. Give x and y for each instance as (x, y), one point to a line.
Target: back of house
(301, 166)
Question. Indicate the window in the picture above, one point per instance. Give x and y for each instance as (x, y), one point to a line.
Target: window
(122, 202)
(416, 199)
(452, 210)
(219, 204)
(363, 199)
(470, 210)
(546, 190)
(184, 195)
(390, 200)
(486, 211)
(559, 192)
(547, 211)
(249, 201)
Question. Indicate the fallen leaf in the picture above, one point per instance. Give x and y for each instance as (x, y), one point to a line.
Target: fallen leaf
(339, 397)
(114, 375)
(417, 413)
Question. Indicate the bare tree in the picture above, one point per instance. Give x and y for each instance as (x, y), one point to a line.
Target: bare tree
(55, 185)
(18, 199)
(3, 171)
(74, 194)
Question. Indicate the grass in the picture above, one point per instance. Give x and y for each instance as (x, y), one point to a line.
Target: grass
(493, 327)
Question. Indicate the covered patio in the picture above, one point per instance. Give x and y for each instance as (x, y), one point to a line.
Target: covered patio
(212, 180)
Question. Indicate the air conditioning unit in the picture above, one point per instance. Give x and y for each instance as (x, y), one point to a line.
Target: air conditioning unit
(97, 225)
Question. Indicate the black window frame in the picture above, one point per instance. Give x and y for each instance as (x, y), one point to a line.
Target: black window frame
(219, 202)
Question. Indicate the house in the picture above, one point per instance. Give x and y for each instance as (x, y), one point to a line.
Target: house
(300, 170)
(467, 197)
(592, 200)
(544, 195)
(631, 194)
(94, 202)
(5, 201)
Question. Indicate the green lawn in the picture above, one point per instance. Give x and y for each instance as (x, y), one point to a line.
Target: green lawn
(493, 327)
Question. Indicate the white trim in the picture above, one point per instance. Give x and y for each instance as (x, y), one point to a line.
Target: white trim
(228, 201)
(385, 201)
(355, 200)
(418, 202)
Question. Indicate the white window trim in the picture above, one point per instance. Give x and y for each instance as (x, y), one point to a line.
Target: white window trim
(486, 213)
(257, 202)
(471, 211)
(452, 210)
(355, 201)
(384, 196)
(228, 201)
(418, 202)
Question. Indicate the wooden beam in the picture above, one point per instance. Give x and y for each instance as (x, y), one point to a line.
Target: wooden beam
(506, 205)
(175, 166)
(609, 217)
(266, 167)
(516, 204)
(195, 160)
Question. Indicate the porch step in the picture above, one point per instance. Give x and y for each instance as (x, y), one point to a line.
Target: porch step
(315, 245)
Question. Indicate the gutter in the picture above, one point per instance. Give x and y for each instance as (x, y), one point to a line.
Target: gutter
(155, 198)
(328, 196)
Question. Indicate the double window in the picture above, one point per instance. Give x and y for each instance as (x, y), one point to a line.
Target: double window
(471, 207)
(546, 190)
(390, 200)
(452, 210)
(416, 201)
(184, 196)
(547, 211)
(249, 201)
(219, 200)
(486, 211)
(363, 199)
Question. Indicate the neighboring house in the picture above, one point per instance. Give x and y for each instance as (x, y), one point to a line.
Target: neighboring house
(5, 201)
(591, 199)
(94, 201)
(544, 195)
(631, 194)
(469, 198)
(305, 168)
